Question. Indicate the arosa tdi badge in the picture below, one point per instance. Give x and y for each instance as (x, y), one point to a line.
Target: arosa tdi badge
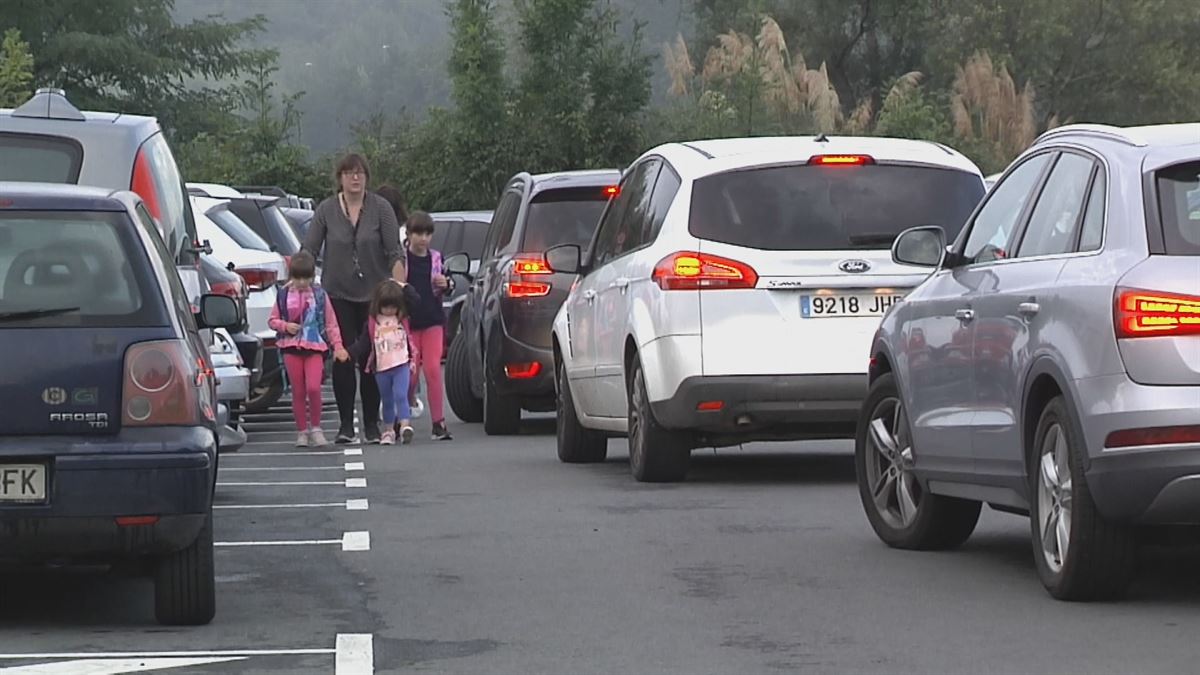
(854, 266)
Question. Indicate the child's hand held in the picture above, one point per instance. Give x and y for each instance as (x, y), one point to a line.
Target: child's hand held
(293, 328)
(341, 355)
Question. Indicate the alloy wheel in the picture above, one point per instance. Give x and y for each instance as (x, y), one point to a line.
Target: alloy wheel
(894, 488)
(1054, 498)
(636, 399)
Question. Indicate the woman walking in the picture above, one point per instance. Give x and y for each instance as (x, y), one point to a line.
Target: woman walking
(361, 237)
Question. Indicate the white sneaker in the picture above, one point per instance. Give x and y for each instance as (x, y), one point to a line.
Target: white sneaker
(317, 437)
(406, 435)
(302, 440)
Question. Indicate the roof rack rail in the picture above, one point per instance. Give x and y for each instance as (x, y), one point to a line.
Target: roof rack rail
(689, 146)
(1095, 130)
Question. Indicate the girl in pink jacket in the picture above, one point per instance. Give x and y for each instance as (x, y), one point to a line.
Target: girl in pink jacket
(307, 329)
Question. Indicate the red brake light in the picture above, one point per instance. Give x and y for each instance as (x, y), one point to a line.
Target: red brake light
(257, 279)
(1141, 313)
(710, 406)
(162, 387)
(690, 271)
(136, 521)
(143, 183)
(518, 286)
(1127, 438)
(612, 191)
(523, 371)
(841, 160)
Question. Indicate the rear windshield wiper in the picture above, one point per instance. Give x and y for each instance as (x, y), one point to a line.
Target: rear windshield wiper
(36, 313)
(872, 239)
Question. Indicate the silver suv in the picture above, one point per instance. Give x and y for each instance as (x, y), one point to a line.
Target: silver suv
(1050, 365)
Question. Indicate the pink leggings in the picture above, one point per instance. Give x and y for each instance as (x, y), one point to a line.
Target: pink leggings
(305, 372)
(427, 355)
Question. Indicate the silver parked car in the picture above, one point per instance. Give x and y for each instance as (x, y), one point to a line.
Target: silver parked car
(1050, 364)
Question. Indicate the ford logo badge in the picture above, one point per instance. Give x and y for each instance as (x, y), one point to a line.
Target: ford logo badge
(854, 266)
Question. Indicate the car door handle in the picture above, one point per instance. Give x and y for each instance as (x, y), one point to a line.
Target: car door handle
(965, 315)
(622, 284)
(589, 296)
(1029, 309)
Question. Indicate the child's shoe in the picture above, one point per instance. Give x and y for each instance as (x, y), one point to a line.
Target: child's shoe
(406, 435)
(388, 438)
(317, 438)
(441, 433)
(302, 440)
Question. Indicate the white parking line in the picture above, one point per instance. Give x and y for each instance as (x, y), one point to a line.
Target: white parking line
(166, 655)
(348, 452)
(355, 466)
(299, 483)
(355, 654)
(356, 482)
(350, 541)
(115, 666)
(282, 468)
(349, 504)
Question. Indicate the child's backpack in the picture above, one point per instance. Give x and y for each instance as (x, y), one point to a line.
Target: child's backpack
(281, 299)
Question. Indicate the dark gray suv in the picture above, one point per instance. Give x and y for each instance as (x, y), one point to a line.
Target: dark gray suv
(1050, 364)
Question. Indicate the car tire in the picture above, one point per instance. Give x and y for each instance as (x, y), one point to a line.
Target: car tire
(1101, 556)
(501, 414)
(576, 443)
(462, 400)
(656, 455)
(901, 511)
(185, 588)
(264, 395)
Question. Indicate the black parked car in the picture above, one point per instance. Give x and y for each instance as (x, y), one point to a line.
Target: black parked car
(501, 361)
(223, 281)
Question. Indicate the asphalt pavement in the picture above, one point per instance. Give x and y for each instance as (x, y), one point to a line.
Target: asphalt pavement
(486, 555)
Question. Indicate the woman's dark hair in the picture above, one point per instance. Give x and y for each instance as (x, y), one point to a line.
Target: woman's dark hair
(393, 197)
(420, 222)
(302, 266)
(350, 162)
(389, 293)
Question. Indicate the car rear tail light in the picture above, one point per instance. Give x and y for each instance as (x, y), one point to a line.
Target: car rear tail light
(136, 521)
(690, 271)
(144, 183)
(519, 285)
(612, 191)
(841, 160)
(1129, 438)
(1140, 313)
(710, 406)
(523, 371)
(258, 279)
(163, 387)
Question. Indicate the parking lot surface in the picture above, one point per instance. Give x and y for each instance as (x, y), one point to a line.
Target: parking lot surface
(486, 555)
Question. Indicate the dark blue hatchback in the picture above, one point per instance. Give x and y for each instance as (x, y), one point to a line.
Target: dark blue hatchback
(108, 432)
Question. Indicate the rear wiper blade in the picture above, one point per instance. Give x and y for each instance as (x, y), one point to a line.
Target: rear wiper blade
(36, 313)
(872, 238)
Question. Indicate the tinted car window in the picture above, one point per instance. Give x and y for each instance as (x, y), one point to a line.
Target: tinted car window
(803, 207)
(1179, 203)
(237, 230)
(285, 239)
(87, 263)
(664, 194)
(998, 218)
(474, 233)
(1051, 228)
(183, 307)
(1092, 234)
(628, 234)
(43, 159)
(501, 232)
(563, 216)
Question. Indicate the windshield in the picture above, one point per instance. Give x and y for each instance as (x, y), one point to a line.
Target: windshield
(74, 268)
(1179, 202)
(563, 216)
(801, 207)
(237, 229)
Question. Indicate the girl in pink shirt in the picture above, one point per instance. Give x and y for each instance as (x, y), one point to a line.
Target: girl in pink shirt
(385, 347)
(307, 329)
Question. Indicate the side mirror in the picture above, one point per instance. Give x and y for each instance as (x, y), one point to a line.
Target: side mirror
(566, 258)
(218, 311)
(920, 246)
(459, 263)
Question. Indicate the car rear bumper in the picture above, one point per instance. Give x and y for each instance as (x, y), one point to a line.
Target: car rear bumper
(536, 392)
(91, 482)
(1152, 484)
(765, 407)
(233, 383)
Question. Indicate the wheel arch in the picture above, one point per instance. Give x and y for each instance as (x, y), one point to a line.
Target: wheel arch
(1045, 381)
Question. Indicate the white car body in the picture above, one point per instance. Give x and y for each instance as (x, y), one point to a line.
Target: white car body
(810, 373)
(225, 249)
(214, 190)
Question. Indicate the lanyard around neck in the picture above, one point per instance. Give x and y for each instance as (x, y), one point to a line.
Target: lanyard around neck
(346, 210)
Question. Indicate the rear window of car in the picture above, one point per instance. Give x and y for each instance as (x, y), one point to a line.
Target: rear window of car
(802, 207)
(42, 159)
(563, 216)
(237, 229)
(1179, 204)
(285, 239)
(74, 268)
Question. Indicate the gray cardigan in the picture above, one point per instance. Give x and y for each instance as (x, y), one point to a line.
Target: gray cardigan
(376, 242)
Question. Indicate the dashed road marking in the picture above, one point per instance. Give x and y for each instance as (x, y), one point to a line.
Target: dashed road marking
(356, 482)
(356, 541)
(355, 654)
(355, 466)
(350, 541)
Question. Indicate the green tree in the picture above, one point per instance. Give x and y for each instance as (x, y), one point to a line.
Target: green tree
(132, 56)
(16, 69)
